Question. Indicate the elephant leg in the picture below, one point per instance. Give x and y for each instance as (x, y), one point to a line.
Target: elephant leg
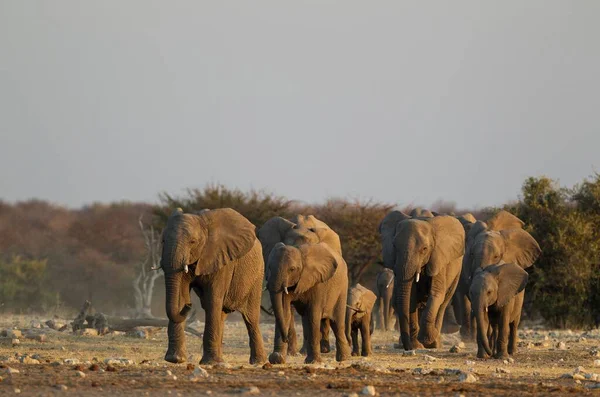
(342, 350)
(354, 335)
(292, 337)
(257, 349)
(430, 327)
(325, 347)
(213, 332)
(176, 352)
(379, 313)
(386, 312)
(365, 334)
(414, 329)
(502, 340)
(311, 322)
(467, 329)
(513, 337)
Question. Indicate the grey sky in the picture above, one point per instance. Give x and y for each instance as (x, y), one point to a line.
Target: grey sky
(405, 102)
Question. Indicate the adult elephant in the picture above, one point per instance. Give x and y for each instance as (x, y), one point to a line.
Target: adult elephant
(432, 246)
(314, 279)
(299, 230)
(216, 253)
(500, 239)
(385, 299)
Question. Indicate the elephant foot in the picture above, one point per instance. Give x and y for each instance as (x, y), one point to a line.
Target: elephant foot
(276, 358)
(211, 360)
(501, 355)
(258, 359)
(303, 350)
(450, 328)
(175, 358)
(355, 353)
(312, 360)
(366, 353)
(416, 344)
(325, 347)
(429, 339)
(481, 354)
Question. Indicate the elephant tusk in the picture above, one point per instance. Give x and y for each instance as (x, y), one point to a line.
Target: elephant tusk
(186, 269)
(155, 267)
(390, 283)
(418, 276)
(285, 290)
(486, 309)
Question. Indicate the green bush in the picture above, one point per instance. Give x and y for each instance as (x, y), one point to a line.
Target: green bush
(23, 285)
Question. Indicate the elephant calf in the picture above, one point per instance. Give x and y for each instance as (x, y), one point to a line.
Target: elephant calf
(497, 294)
(359, 317)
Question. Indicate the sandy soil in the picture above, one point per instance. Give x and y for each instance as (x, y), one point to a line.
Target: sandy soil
(539, 368)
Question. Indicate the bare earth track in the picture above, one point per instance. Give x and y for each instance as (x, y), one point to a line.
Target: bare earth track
(538, 369)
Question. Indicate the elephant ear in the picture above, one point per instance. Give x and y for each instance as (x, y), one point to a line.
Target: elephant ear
(229, 236)
(369, 299)
(521, 247)
(387, 230)
(273, 232)
(449, 237)
(504, 220)
(319, 264)
(329, 237)
(512, 279)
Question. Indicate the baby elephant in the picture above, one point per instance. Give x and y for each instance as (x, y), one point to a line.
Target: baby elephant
(496, 295)
(358, 317)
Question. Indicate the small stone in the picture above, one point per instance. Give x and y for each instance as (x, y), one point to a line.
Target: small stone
(94, 367)
(429, 359)
(62, 387)
(455, 349)
(222, 365)
(461, 345)
(250, 390)
(368, 391)
(15, 341)
(56, 363)
(467, 378)
(511, 360)
(110, 368)
(502, 371)
(578, 377)
(87, 332)
(29, 360)
(579, 370)
(469, 362)
(118, 361)
(452, 371)
(17, 391)
(409, 353)
(12, 371)
(95, 383)
(71, 361)
(561, 346)
(168, 373)
(80, 374)
(596, 363)
(280, 373)
(351, 395)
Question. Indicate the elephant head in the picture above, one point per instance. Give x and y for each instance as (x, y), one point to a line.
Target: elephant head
(414, 246)
(300, 230)
(200, 244)
(467, 220)
(360, 301)
(501, 239)
(421, 213)
(494, 286)
(292, 271)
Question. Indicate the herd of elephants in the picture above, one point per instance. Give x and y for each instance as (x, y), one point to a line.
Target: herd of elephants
(435, 266)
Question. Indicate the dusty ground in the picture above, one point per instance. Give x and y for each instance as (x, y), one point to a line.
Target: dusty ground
(537, 369)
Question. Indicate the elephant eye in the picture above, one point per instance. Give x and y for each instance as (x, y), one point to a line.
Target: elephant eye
(193, 241)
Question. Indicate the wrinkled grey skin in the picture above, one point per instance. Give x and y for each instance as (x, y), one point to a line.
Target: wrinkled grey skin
(359, 318)
(314, 279)
(497, 294)
(500, 239)
(216, 253)
(295, 232)
(429, 250)
(385, 300)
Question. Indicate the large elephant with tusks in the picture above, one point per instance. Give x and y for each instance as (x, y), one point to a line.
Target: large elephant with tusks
(215, 253)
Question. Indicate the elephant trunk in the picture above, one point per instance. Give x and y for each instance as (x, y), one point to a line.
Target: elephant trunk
(178, 302)
(282, 310)
(349, 325)
(403, 295)
(482, 327)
